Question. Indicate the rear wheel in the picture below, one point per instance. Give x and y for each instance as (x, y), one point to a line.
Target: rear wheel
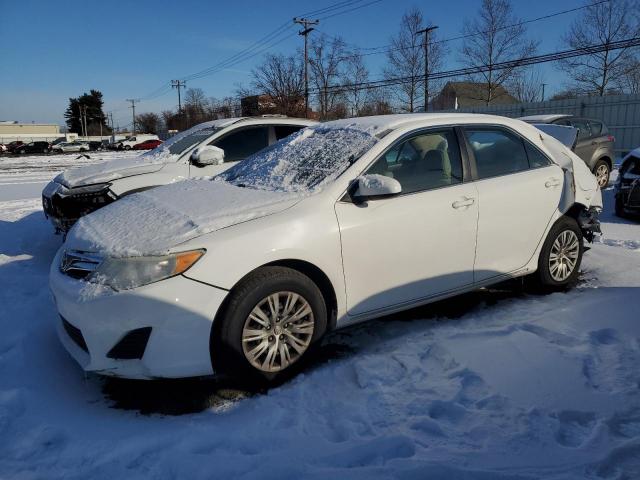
(561, 255)
(602, 172)
(272, 320)
(127, 147)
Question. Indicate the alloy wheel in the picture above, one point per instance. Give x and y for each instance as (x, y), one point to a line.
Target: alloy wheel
(602, 175)
(564, 255)
(278, 331)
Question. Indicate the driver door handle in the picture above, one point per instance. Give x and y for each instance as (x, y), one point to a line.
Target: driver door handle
(552, 182)
(465, 202)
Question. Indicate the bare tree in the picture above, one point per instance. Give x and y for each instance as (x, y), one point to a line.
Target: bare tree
(195, 105)
(281, 79)
(149, 122)
(377, 102)
(630, 82)
(406, 59)
(526, 85)
(326, 59)
(495, 35)
(601, 23)
(354, 75)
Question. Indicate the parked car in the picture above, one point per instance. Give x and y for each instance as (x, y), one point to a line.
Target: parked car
(130, 142)
(147, 145)
(594, 145)
(66, 147)
(13, 146)
(33, 147)
(339, 223)
(95, 145)
(627, 189)
(79, 191)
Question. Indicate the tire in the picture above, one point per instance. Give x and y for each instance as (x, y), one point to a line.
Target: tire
(602, 171)
(22, 151)
(563, 235)
(127, 147)
(242, 343)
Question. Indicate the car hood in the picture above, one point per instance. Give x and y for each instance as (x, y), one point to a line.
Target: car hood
(155, 221)
(113, 170)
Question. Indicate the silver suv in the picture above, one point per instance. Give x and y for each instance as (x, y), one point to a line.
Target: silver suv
(594, 145)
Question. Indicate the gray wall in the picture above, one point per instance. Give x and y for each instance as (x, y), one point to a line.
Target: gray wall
(621, 113)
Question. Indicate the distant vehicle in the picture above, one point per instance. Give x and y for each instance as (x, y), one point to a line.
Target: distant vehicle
(33, 147)
(594, 145)
(3, 148)
(94, 145)
(337, 224)
(67, 147)
(147, 145)
(204, 150)
(130, 142)
(627, 191)
(11, 147)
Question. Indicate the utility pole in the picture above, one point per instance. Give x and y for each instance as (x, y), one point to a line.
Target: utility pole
(81, 122)
(306, 30)
(178, 84)
(86, 130)
(133, 107)
(543, 85)
(426, 32)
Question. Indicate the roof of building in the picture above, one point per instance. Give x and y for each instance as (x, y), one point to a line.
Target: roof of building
(474, 93)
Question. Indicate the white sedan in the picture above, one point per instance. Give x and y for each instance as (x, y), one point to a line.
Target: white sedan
(342, 222)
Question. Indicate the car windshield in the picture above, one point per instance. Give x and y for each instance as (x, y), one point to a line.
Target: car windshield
(184, 141)
(306, 160)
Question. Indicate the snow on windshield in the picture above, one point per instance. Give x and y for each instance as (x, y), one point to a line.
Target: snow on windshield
(306, 160)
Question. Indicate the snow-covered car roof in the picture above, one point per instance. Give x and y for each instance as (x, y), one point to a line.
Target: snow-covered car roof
(544, 118)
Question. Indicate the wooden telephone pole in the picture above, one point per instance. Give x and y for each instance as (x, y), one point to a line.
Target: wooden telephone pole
(306, 30)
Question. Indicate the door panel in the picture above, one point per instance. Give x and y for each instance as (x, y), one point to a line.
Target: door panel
(515, 210)
(406, 248)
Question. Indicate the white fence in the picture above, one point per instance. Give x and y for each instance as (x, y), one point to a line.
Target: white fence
(621, 113)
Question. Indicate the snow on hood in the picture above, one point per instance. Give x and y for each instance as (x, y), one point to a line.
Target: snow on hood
(154, 221)
(113, 170)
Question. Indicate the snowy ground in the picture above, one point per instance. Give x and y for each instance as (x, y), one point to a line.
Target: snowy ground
(494, 385)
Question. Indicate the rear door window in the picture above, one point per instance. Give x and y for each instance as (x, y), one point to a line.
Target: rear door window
(583, 127)
(595, 127)
(497, 152)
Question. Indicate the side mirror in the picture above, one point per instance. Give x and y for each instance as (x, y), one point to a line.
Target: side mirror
(207, 155)
(375, 186)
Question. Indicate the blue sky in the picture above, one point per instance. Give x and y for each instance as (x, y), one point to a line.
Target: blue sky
(54, 50)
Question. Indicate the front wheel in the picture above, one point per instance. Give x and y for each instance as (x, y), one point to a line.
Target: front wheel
(602, 173)
(561, 255)
(127, 147)
(272, 320)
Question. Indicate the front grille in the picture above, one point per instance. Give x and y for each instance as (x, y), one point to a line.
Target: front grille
(79, 265)
(75, 334)
(132, 345)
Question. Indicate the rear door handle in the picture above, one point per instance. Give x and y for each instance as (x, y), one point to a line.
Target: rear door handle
(552, 182)
(466, 202)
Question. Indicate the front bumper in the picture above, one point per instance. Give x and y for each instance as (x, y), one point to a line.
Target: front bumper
(178, 311)
(629, 196)
(63, 208)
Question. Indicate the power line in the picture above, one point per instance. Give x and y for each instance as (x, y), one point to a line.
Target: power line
(383, 49)
(522, 62)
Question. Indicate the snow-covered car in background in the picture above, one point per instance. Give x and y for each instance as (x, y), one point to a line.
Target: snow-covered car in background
(339, 223)
(193, 153)
(627, 188)
(130, 142)
(70, 147)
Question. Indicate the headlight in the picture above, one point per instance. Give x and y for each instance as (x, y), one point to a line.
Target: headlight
(131, 272)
